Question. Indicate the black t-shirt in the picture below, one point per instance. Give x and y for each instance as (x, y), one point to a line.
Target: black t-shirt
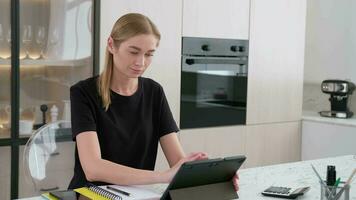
(128, 131)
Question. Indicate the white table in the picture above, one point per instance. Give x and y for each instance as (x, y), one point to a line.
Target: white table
(297, 174)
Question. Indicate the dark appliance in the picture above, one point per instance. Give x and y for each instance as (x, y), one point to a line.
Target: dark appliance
(213, 82)
(339, 91)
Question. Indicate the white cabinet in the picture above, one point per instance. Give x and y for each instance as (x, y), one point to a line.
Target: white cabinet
(216, 18)
(320, 140)
(275, 74)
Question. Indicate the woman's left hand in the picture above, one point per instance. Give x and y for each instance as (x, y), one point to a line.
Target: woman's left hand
(235, 181)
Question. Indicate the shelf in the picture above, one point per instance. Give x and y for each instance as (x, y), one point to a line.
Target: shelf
(46, 62)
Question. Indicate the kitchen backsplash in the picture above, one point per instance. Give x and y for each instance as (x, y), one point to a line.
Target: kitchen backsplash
(315, 100)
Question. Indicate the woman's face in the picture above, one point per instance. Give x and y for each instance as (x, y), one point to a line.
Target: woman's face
(133, 56)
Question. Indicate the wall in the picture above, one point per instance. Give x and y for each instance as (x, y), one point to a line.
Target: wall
(330, 49)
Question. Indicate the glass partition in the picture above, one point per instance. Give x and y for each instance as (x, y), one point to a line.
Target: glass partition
(55, 52)
(5, 69)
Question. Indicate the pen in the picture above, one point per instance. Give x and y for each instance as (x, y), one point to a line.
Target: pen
(346, 184)
(321, 180)
(350, 177)
(335, 187)
(118, 190)
(337, 182)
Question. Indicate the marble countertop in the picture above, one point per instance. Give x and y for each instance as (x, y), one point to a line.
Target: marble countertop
(297, 174)
(314, 116)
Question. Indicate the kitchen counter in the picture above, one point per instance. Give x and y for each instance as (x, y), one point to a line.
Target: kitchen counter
(296, 174)
(314, 116)
(331, 136)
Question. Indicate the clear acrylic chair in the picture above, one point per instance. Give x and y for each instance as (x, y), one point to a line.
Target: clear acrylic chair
(48, 158)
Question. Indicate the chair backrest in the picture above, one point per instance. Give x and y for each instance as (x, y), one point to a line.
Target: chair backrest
(48, 158)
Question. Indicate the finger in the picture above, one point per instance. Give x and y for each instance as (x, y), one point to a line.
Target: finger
(202, 154)
(235, 183)
(192, 158)
(236, 176)
(192, 154)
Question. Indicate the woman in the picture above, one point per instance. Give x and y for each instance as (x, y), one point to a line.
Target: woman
(119, 117)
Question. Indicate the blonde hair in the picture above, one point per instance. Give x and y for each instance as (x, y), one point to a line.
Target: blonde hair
(125, 27)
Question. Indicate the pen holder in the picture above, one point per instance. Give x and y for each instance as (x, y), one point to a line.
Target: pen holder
(341, 192)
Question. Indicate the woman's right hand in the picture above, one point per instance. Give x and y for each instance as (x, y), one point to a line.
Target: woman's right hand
(169, 174)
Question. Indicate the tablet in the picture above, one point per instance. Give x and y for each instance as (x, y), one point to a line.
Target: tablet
(204, 172)
(68, 195)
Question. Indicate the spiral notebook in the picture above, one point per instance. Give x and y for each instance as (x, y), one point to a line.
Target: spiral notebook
(136, 192)
(97, 193)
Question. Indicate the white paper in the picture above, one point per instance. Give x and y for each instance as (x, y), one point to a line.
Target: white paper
(143, 192)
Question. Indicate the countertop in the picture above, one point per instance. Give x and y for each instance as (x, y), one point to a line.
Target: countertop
(314, 116)
(296, 174)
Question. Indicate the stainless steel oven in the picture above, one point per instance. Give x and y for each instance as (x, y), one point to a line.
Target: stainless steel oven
(213, 82)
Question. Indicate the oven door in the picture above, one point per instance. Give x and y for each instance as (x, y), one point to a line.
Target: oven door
(213, 91)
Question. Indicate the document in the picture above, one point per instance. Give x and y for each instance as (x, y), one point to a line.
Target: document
(144, 192)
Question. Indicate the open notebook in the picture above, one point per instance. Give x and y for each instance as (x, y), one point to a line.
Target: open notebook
(152, 192)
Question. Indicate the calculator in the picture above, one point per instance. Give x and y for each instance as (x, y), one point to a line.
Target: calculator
(285, 192)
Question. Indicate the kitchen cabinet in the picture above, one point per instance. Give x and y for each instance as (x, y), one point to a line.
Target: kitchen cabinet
(49, 46)
(323, 138)
(274, 101)
(217, 142)
(263, 144)
(216, 19)
(268, 144)
(276, 60)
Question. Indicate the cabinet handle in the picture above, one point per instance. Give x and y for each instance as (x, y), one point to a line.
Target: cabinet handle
(49, 189)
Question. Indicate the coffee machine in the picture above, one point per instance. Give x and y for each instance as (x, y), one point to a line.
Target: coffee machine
(339, 91)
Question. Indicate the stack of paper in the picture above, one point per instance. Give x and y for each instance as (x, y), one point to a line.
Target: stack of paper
(136, 192)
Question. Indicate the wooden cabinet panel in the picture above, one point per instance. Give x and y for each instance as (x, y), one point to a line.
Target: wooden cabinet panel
(216, 18)
(273, 143)
(275, 80)
(263, 144)
(217, 142)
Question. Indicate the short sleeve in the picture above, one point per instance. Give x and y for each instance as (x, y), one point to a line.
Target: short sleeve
(82, 112)
(167, 123)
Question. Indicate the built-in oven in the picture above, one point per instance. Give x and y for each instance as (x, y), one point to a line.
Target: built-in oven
(213, 82)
